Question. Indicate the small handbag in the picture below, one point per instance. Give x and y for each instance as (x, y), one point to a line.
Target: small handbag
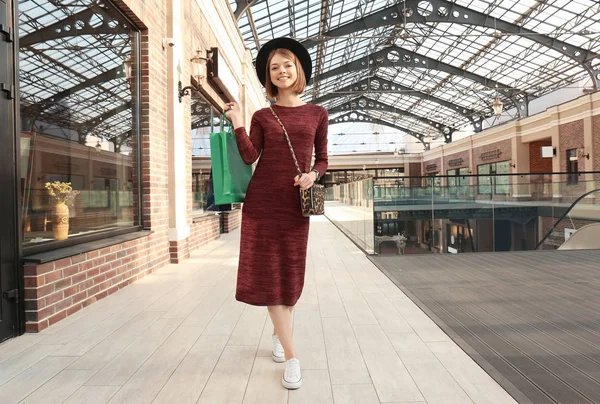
(312, 200)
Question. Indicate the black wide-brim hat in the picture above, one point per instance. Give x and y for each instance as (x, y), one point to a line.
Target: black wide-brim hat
(286, 43)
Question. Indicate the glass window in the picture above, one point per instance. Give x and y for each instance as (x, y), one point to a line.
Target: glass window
(496, 174)
(484, 181)
(452, 181)
(79, 81)
(502, 180)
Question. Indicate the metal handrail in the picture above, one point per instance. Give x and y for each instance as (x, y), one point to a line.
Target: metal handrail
(537, 247)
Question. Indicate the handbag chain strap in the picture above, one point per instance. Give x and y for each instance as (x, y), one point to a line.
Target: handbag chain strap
(288, 141)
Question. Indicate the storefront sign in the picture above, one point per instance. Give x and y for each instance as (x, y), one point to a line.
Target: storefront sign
(456, 162)
(223, 77)
(66, 167)
(108, 171)
(491, 155)
(431, 167)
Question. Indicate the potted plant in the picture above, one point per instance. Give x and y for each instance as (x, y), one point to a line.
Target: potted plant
(63, 193)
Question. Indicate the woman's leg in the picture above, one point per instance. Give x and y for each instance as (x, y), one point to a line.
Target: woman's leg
(281, 318)
(291, 308)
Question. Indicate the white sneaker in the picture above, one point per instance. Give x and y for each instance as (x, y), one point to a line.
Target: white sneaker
(278, 352)
(292, 379)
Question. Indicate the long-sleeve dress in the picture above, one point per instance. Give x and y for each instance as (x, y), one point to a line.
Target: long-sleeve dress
(274, 232)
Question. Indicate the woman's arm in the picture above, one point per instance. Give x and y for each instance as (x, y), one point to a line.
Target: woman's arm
(321, 160)
(250, 147)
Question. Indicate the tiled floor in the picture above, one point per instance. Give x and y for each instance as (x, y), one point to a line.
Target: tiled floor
(179, 336)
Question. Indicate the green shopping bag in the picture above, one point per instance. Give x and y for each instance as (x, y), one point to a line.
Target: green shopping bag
(230, 174)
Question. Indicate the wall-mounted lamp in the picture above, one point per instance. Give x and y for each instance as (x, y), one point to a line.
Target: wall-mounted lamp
(582, 153)
(497, 106)
(128, 71)
(513, 165)
(198, 74)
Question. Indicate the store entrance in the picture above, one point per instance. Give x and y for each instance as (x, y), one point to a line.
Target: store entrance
(9, 296)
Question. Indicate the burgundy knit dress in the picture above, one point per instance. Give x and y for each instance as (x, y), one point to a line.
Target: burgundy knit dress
(274, 232)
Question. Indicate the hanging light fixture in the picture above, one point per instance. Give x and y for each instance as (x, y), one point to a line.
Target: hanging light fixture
(198, 73)
(128, 71)
(497, 106)
(98, 147)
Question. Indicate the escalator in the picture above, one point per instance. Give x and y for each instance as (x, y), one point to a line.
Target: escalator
(578, 227)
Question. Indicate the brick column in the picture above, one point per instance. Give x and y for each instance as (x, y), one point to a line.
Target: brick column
(178, 133)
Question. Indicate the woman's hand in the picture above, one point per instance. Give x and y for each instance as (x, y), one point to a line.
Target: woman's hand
(306, 181)
(234, 114)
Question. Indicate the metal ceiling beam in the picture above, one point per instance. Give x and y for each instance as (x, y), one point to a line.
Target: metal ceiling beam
(91, 123)
(395, 56)
(323, 27)
(94, 81)
(366, 86)
(357, 117)
(76, 25)
(253, 28)
(242, 6)
(367, 104)
(419, 11)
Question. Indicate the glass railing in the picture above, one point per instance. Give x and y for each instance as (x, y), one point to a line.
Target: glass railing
(584, 211)
(450, 214)
(350, 208)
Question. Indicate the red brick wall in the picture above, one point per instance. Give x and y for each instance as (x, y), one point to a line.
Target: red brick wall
(60, 288)
(203, 231)
(571, 137)
(414, 170)
(232, 220)
(537, 164)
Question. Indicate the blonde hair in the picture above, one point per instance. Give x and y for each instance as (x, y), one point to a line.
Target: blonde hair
(300, 83)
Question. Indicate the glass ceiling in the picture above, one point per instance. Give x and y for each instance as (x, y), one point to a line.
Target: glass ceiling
(478, 47)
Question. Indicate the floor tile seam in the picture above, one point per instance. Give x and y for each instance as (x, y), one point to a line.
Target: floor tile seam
(231, 291)
(75, 391)
(323, 339)
(399, 358)
(57, 346)
(391, 283)
(359, 349)
(119, 311)
(113, 332)
(438, 361)
(253, 360)
(50, 379)
(147, 358)
(180, 362)
(198, 303)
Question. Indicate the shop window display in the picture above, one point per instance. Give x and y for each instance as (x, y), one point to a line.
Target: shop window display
(79, 80)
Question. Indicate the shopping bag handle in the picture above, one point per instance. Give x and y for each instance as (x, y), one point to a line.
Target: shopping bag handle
(224, 119)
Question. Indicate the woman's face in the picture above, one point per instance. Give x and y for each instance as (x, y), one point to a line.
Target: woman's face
(283, 72)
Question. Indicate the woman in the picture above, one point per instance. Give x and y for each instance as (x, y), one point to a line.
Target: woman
(274, 232)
